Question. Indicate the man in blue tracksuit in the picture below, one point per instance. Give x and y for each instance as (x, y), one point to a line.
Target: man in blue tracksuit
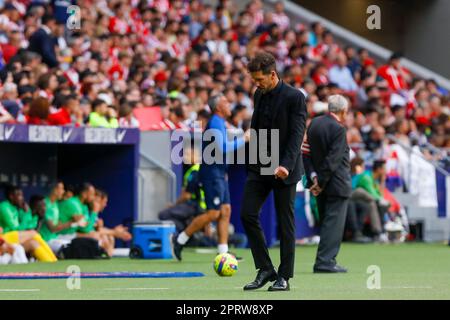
(213, 177)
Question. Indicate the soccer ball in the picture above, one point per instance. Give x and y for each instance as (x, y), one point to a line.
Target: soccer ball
(225, 265)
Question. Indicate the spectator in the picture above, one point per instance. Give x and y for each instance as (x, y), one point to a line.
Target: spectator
(238, 117)
(5, 116)
(341, 74)
(102, 115)
(280, 17)
(69, 112)
(315, 34)
(39, 111)
(10, 98)
(126, 117)
(320, 75)
(47, 84)
(43, 42)
(364, 189)
(394, 74)
(157, 53)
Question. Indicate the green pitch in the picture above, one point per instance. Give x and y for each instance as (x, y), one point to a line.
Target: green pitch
(408, 271)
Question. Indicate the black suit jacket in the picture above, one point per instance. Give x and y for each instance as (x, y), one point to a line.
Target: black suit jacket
(329, 156)
(289, 116)
(44, 44)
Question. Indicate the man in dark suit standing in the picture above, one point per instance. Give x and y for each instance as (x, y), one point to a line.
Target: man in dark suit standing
(278, 109)
(43, 41)
(326, 158)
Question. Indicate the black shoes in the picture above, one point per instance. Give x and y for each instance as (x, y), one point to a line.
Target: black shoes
(262, 278)
(280, 284)
(358, 237)
(334, 269)
(176, 247)
(362, 240)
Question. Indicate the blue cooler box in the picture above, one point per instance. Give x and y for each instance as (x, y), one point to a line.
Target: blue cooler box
(151, 240)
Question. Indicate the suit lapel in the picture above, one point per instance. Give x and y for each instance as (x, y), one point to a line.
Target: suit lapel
(254, 122)
(277, 105)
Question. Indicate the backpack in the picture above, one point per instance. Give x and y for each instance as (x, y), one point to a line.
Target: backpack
(83, 248)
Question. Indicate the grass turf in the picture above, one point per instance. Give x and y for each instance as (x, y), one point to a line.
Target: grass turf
(408, 271)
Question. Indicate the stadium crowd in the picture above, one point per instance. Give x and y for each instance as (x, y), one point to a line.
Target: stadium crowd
(173, 55)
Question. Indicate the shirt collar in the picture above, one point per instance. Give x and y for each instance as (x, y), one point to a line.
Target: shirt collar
(276, 89)
(46, 29)
(335, 117)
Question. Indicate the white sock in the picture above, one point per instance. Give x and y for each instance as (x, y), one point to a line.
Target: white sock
(182, 238)
(19, 255)
(222, 248)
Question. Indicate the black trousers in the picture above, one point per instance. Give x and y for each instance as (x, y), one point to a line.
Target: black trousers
(256, 191)
(332, 215)
(357, 212)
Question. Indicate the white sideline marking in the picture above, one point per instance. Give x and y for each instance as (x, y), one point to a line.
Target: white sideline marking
(205, 251)
(118, 289)
(19, 290)
(406, 287)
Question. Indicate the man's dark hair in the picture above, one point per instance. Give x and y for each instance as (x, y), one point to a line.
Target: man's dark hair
(9, 189)
(35, 199)
(83, 187)
(357, 161)
(377, 164)
(177, 111)
(238, 108)
(26, 89)
(96, 103)
(203, 114)
(101, 193)
(395, 56)
(264, 62)
(26, 100)
(67, 98)
(47, 18)
(54, 184)
(370, 88)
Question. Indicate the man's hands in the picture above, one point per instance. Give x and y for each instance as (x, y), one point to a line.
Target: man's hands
(122, 233)
(79, 219)
(247, 135)
(6, 248)
(281, 172)
(315, 189)
(24, 206)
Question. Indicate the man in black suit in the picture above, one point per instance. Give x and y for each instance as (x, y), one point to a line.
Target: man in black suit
(326, 158)
(43, 41)
(279, 109)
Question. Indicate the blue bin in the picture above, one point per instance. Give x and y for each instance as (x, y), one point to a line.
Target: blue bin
(151, 240)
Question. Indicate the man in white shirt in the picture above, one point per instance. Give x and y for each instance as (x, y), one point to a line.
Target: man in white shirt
(341, 75)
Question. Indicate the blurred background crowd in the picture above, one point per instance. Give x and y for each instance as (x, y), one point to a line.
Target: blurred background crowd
(173, 55)
(170, 56)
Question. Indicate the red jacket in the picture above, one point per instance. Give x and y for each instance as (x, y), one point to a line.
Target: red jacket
(60, 118)
(393, 77)
(36, 121)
